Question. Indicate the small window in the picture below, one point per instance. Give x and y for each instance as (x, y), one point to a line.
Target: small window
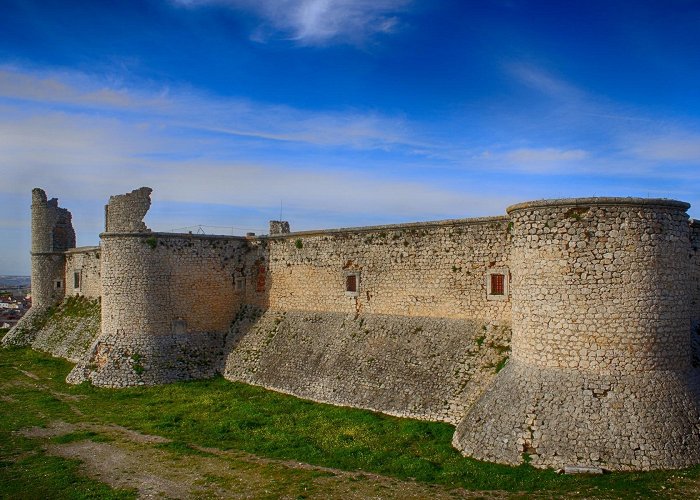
(179, 326)
(497, 284)
(260, 285)
(59, 284)
(239, 284)
(352, 284)
(76, 280)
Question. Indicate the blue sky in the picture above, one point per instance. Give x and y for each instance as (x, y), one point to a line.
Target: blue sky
(341, 112)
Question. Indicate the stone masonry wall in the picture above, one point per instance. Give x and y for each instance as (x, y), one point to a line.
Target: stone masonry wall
(419, 367)
(601, 287)
(86, 262)
(417, 338)
(125, 212)
(600, 373)
(164, 293)
(52, 228)
(432, 269)
(695, 290)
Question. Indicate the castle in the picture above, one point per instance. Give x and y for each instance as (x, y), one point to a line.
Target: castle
(559, 333)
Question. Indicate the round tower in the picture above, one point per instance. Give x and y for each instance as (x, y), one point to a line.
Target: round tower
(52, 233)
(600, 370)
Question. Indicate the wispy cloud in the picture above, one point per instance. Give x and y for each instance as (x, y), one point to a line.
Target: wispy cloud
(673, 146)
(541, 81)
(85, 140)
(187, 109)
(317, 22)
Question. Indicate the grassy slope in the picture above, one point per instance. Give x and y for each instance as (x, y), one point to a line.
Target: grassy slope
(220, 414)
(66, 330)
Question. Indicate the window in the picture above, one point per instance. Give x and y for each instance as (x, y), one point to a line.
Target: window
(239, 283)
(497, 286)
(260, 285)
(76, 280)
(58, 284)
(352, 284)
(179, 326)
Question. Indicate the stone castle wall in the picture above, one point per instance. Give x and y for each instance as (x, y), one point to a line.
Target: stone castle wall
(601, 287)
(695, 273)
(125, 212)
(52, 233)
(600, 293)
(431, 269)
(168, 301)
(48, 279)
(86, 263)
(601, 322)
(695, 290)
(419, 367)
(418, 337)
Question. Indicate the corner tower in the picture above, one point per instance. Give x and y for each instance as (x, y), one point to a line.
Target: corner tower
(600, 373)
(52, 234)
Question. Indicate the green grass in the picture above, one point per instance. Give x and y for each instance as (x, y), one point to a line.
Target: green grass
(76, 306)
(220, 414)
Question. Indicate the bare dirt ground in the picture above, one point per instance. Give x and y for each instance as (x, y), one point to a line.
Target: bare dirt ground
(123, 458)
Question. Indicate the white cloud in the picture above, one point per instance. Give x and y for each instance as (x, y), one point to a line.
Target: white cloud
(198, 149)
(185, 108)
(681, 147)
(318, 22)
(545, 155)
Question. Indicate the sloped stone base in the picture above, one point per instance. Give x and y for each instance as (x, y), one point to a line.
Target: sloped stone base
(418, 367)
(640, 421)
(66, 330)
(150, 360)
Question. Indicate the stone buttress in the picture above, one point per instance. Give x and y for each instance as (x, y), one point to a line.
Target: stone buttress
(600, 372)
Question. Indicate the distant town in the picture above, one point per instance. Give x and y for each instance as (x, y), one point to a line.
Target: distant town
(15, 299)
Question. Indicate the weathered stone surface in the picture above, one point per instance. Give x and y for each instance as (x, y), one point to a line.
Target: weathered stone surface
(600, 372)
(419, 367)
(279, 227)
(125, 212)
(86, 263)
(66, 330)
(408, 319)
(143, 359)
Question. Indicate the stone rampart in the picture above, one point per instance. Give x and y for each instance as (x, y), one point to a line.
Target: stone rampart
(410, 319)
(600, 369)
(163, 293)
(416, 336)
(435, 269)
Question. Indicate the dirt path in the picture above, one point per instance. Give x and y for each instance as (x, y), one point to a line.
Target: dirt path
(154, 467)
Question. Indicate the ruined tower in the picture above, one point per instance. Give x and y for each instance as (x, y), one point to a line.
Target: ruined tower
(52, 234)
(600, 372)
